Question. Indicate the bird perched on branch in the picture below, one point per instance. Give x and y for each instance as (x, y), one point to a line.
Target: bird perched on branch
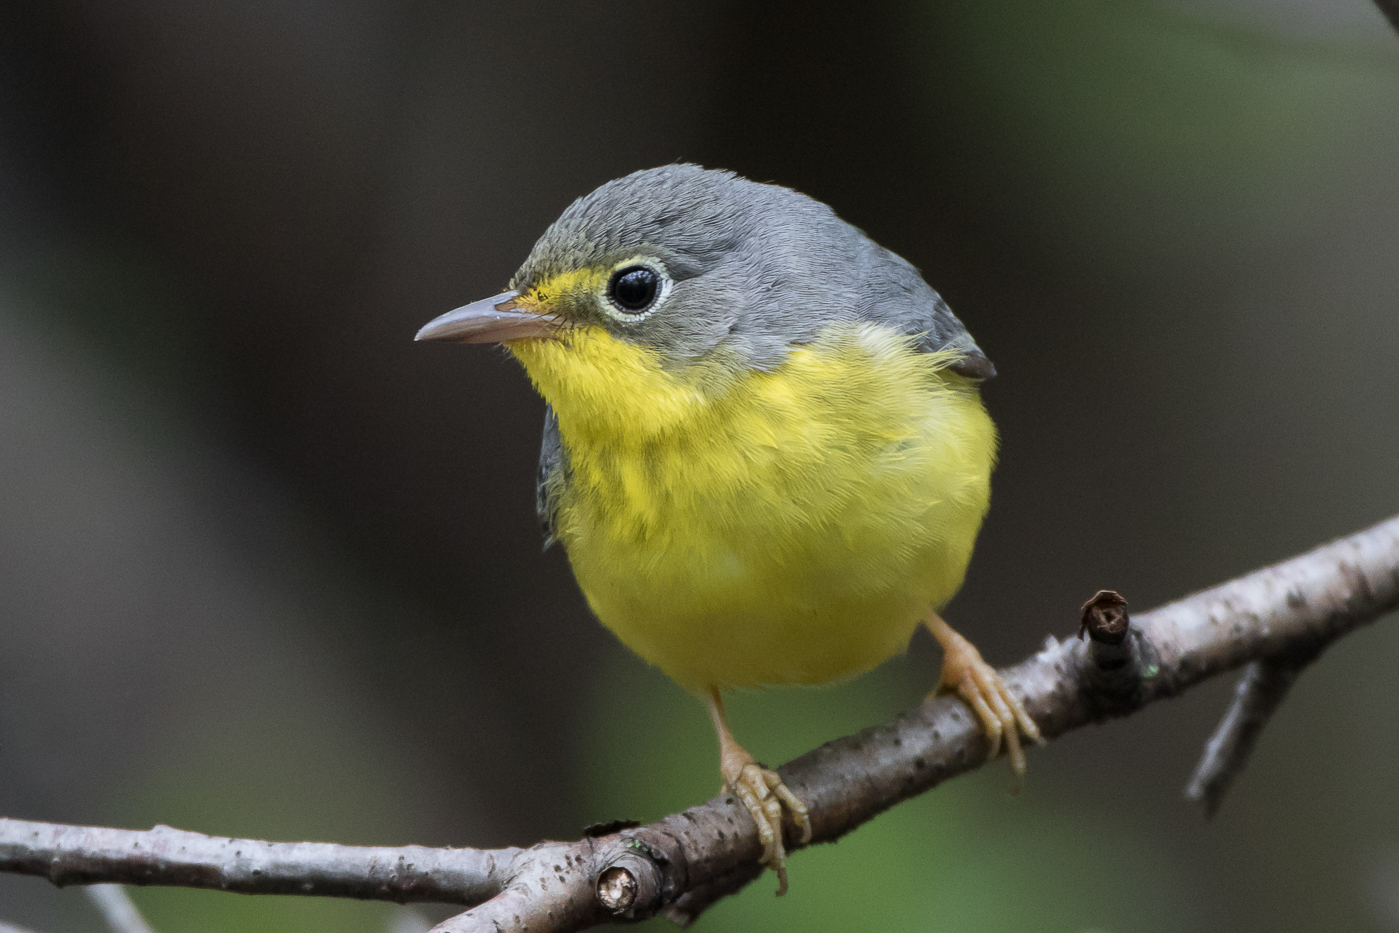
(764, 450)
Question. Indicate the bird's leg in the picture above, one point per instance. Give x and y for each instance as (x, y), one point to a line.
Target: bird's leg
(967, 675)
(760, 789)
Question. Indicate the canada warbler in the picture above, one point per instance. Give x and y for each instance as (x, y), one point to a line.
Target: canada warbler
(764, 449)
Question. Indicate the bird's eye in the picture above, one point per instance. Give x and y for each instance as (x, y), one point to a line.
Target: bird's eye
(634, 288)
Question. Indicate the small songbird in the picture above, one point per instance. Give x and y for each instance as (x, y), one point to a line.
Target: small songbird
(765, 451)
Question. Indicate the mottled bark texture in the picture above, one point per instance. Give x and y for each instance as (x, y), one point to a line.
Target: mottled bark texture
(1280, 617)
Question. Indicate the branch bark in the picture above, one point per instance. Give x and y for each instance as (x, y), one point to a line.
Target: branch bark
(683, 863)
(173, 857)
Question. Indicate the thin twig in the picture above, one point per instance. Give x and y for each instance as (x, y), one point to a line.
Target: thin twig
(118, 909)
(684, 862)
(11, 928)
(165, 856)
(1259, 692)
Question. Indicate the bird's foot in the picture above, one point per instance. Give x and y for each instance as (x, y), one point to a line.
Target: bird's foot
(1000, 711)
(764, 796)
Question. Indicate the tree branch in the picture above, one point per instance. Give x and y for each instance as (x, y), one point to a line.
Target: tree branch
(683, 863)
(173, 857)
(1257, 696)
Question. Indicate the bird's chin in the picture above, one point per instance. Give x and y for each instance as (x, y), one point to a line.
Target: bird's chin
(494, 320)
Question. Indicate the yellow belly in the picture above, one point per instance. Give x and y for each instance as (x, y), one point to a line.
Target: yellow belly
(752, 528)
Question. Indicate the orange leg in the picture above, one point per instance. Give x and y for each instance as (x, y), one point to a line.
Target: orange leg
(976, 682)
(761, 791)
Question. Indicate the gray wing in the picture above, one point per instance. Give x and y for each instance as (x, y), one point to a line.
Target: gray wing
(897, 295)
(551, 478)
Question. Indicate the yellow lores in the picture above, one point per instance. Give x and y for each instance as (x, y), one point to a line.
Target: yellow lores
(784, 527)
(766, 453)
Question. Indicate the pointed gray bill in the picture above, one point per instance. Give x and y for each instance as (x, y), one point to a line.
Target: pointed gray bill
(489, 321)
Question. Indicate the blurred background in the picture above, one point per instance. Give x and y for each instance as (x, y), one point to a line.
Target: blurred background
(269, 569)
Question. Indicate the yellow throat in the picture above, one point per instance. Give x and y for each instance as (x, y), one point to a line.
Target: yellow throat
(740, 527)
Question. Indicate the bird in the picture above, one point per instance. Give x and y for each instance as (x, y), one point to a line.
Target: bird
(765, 452)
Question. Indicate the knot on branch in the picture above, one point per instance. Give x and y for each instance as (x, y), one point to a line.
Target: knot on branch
(1120, 659)
(631, 881)
(1105, 618)
(616, 889)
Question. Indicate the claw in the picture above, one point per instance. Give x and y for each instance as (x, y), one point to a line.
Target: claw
(971, 691)
(762, 794)
(800, 816)
(1001, 713)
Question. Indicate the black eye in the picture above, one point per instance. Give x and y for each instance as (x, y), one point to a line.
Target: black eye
(634, 288)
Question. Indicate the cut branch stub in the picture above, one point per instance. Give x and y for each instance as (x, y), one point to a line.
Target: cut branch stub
(1105, 618)
(630, 883)
(616, 889)
(1120, 659)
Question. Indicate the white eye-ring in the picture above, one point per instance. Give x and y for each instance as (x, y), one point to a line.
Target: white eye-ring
(635, 288)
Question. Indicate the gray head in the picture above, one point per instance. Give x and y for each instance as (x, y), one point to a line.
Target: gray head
(702, 264)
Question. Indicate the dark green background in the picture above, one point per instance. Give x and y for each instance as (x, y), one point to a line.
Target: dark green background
(267, 568)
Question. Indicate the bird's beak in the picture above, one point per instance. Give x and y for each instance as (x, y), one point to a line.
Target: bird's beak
(490, 321)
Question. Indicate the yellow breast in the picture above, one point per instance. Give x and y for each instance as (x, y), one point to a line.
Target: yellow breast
(740, 528)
